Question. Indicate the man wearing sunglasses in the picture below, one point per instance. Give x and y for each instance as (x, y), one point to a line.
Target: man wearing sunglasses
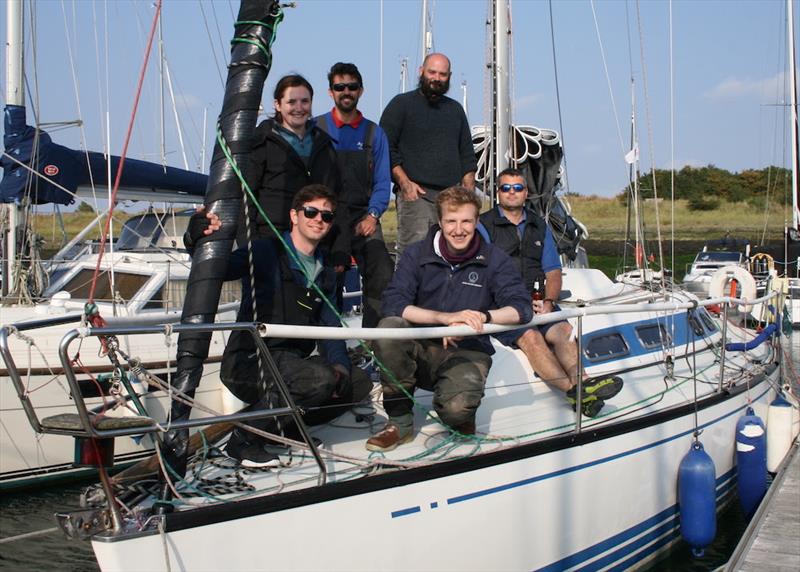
(363, 157)
(451, 278)
(430, 146)
(550, 349)
(293, 285)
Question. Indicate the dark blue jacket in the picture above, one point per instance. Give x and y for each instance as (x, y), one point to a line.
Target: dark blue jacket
(486, 282)
(283, 298)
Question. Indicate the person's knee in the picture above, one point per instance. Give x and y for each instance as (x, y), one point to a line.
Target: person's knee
(559, 334)
(460, 390)
(532, 340)
(384, 345)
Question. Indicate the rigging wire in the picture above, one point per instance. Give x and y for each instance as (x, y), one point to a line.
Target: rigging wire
(211, 43)
(558, 96)
(671, 142)
(650, 143)
(125, 147)
(76, 89)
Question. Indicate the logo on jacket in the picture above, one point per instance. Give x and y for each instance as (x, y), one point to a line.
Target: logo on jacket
(473, 279)
(360, 145)
(538, 243)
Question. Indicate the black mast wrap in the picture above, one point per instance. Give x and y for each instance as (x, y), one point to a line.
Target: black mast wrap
(251, 58)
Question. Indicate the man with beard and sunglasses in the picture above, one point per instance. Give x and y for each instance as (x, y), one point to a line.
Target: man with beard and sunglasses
(292, 281)
(363, 158)
(430, 147)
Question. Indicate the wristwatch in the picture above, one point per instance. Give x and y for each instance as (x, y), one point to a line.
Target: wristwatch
(374, 214)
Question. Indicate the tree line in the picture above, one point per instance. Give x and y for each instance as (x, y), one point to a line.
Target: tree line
(705, 187)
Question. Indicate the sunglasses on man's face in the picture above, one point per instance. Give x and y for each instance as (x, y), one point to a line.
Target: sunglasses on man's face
(516, 187)
(312, 212)
(353, 86)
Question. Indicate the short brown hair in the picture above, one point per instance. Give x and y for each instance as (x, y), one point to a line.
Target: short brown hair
(455, 197)
(312, 192)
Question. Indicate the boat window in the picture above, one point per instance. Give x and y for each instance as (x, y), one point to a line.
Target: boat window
(154, 230)
(606, 346)
(653, 336)
(125, 284)
(707, 320)
(138, 232)
(718, 256)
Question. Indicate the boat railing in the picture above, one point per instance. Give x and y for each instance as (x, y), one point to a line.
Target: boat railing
(86, 428)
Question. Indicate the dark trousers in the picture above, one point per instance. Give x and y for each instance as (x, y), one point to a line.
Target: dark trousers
(456, 376)
(311, 383)
(376, 269)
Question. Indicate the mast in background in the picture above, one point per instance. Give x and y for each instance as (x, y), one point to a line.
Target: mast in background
(793, 111)
(15, 95)
(427, 35)
(501, 92)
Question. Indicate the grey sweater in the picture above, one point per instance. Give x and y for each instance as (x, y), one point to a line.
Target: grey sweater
(432, 142)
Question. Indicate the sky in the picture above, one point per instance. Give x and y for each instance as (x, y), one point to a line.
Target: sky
(727, 63)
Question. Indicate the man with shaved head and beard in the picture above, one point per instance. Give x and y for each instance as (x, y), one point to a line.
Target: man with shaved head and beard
(430, 148)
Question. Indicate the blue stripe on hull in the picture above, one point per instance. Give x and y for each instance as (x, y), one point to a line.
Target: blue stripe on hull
(666, 522)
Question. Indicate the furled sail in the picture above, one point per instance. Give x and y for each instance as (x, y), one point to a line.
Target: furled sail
(63, 172)
(251, 59)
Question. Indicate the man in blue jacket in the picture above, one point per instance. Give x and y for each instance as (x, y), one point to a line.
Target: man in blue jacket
(289, 283)
(362, 153)
(451, 278)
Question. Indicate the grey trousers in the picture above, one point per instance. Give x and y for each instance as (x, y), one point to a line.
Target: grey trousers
(456, 376)
(414, 218)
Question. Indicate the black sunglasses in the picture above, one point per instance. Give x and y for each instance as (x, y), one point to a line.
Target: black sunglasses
(517, 187)
(352, 86)
(312, 212)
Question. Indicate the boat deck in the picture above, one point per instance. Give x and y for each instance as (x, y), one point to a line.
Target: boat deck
(772, 540)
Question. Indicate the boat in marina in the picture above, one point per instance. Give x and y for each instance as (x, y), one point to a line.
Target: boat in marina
(716, 254)
(137, 279)
(538, 487)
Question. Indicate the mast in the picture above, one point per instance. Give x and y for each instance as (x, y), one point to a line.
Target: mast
(793, 111)
(427, 38)
(501, 94)
(15, 95)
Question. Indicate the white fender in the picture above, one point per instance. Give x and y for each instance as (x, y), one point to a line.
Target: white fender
(720, 283)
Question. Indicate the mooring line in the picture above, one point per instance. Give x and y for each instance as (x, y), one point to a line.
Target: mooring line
(28, 535)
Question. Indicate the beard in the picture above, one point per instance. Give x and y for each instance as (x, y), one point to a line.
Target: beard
(433, 90)
(346, 105)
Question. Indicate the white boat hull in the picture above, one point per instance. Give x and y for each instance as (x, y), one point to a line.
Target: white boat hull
(607, 500)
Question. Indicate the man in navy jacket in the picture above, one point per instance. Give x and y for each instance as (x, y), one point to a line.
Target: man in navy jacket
(451, 278)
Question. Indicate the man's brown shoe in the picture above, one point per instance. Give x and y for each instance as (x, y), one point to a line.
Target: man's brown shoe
(388, 439)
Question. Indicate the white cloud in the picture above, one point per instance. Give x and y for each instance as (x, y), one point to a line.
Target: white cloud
(768, 88)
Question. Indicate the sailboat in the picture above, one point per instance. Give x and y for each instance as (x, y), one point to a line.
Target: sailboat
(538, 487)
(141, 282)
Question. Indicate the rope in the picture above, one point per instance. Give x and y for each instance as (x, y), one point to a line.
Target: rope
(26, 535)
(125, 148)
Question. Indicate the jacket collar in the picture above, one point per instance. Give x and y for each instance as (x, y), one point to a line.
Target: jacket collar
(431, 255)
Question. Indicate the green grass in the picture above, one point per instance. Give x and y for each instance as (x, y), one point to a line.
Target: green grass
(606, 220)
